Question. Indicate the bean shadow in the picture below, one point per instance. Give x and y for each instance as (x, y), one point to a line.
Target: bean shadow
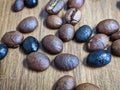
(118, 5)
(54, 86)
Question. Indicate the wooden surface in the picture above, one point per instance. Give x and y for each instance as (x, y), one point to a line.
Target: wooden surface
(15, 76)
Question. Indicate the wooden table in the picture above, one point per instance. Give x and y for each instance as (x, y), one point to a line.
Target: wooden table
(15, 76)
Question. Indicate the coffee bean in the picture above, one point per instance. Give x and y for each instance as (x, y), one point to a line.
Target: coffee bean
(66, 32)
(31, 3)
(115, 48)
(28, 24)
(54, 6)
(73, 16)
(52, 44)
(83, 33)
(65, 83)
(18, 5)
(75, 3)
(97, 42)
(30, 44)
(12, 39)
(115, 36)
(3, 51)
(66, 62)
(87, 86)
(99, 58)
(38, 61)
(53, 21)
(108, 26)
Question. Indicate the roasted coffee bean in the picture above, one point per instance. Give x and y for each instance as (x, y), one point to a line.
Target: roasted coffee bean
(52, 44)
(66, 62)
(18, 5)
(97, 42)
(115, 36)
(3, 51)
(83, 33)
(53, 21)
(31, 3)
(28, 24)
(66, 32)
(75, 3)
(12, 39)
(65, 83)
(87, 86)
(99, 58)
(108, 26)
(54, 6)
(115, 48)
(30, 44)
(73, 16)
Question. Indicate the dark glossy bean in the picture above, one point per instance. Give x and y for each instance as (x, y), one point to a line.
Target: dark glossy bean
(31, 3)
(3, 51)
(115, 36)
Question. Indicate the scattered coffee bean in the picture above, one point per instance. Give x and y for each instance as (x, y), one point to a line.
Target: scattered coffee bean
(66, 62)
(87, 86)
(52, 44)
(54, 6)
(73, 16)
(53, 21)
(3, 51)
(18, 5)
(83, 33)
(108, 26)
(12, 39)
(38, 61)
(30, 44)
(115, 48)
(66, 32)
(75, 3)
(28, 24)
(97, 42)
(115, 36)
(31, 3)
(65, 83)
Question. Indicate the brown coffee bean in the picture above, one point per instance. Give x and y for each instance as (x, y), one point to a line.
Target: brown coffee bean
(65, 83)
(12, 39)
(52, 44)
(98, 42)
(53, 21)
(115, 36)
(18, 5)
(115, 48)
(73, 16)
(87, 86)
(108, 26)
(54, 6)
(28, 24)
(75, 3)
(37, 61)
(66, 32)
(66, 62)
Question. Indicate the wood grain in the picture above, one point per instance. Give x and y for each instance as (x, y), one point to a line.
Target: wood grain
(15, 76)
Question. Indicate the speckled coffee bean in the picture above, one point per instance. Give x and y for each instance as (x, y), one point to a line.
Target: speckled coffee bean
(65, 83)
(3, 51)
(75, 3)
(53, 21)
(73, 16)
(108, 26)
(66, 32)
(66, 62)
(28, 24)
(30, 44)
(99, 58)
(87, 86)
(38, 61)
(97, 42)
(31, 3)
(115, 48)
(54, 6)
(52, 44)
(18, 5)
(115, 36)
(12, 39)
